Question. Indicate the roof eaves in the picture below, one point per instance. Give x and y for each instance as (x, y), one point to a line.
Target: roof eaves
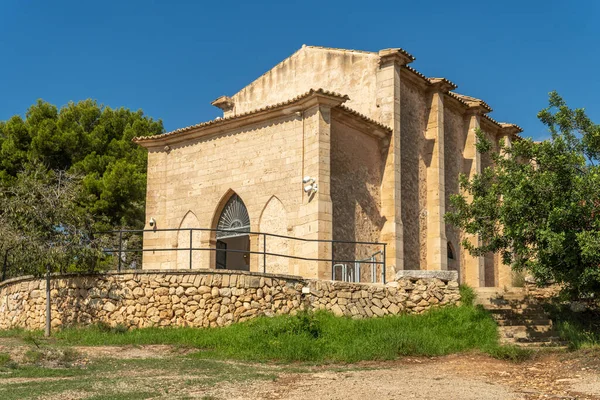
(339, 49)
(470, 99)
(365, 118)
(220, 121)
(417, 73)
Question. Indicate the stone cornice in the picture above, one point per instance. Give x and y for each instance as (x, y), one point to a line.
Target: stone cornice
(225, 103)
(441, 85)
(395, 55)
(309, 99)
(510, 129)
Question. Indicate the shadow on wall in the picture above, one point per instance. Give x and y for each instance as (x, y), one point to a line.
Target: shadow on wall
(356, 176)
(274, 220)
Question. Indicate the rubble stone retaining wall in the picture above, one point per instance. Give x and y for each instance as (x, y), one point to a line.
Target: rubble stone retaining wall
(206, 298)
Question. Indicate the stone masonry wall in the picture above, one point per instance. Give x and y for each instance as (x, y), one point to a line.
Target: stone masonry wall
(206, 298)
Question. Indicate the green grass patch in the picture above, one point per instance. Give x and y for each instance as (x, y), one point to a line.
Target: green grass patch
(467, 295)
(170, 377)
(317, 337)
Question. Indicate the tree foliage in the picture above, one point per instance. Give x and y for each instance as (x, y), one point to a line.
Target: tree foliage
(90, 141)
(41, 224)
(538, 204)
(64, 175)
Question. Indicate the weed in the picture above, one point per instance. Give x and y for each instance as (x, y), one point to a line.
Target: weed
(579, 329)
(7, 362)
(60, 357)
(316, 337)
(102, 326)
(509, 353)
(467, 295)
(34, 356)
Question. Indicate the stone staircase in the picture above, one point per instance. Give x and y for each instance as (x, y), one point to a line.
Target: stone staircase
(521, 319)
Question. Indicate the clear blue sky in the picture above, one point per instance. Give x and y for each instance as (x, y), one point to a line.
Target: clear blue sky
(172, 58)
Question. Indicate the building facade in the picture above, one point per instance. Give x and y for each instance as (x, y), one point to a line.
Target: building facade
(330, 144)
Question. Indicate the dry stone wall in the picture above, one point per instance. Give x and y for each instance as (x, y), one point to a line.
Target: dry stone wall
(206, 298)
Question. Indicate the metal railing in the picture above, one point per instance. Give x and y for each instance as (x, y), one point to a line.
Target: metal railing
(126, 234)
(354, 273)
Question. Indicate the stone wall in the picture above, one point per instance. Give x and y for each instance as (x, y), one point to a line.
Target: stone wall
(356, 172)
(349, 72)
(189, 185)
(206, 298)
(414, 186)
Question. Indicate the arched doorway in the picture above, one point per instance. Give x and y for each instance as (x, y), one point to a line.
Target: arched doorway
(453, 262)
(233, 240)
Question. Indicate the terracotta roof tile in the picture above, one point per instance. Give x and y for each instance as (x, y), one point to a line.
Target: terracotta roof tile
(508, 125)
(420, 75)
(364, 117)
(468, 99)
(220, 120)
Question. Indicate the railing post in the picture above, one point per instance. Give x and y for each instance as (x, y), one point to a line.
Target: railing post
(5, 265)
(120, 249)
(332, 264)
(191, 246)
(48, 306)
(264, 253)
(384, 258)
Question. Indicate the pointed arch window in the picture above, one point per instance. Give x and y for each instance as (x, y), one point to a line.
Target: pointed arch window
(451, 251)
(234, 220)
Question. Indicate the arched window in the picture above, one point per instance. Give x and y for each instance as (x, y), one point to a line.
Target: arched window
(233, 239)
(451, 252)
(234, 220)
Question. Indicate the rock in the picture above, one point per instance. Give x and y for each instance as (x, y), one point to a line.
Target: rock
(394, 309)
(337, 311)
(254, 281)
(452, 285)
(377, 311)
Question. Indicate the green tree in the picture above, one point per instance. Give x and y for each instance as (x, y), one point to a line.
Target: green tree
(90, 141)
(539, 203)
(42, 224)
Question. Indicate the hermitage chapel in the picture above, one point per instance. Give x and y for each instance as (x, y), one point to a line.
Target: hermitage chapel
(328, 158)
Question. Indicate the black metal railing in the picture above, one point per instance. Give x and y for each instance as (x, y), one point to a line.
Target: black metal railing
(375, 258)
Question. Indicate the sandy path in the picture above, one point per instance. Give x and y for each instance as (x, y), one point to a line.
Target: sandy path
(453, 377)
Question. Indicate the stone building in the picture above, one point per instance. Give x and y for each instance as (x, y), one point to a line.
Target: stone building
(329, 144)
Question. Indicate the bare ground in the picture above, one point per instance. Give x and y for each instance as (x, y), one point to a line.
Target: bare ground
(549, 375)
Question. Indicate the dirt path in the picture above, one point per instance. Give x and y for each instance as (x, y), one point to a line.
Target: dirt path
(453, 377)
(166, 372)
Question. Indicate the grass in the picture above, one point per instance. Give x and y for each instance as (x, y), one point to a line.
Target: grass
(580, 329)
(321, 337)
(313, 338)
(171, 377)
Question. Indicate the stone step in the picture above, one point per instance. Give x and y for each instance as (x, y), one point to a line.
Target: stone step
(525, 322)
(517, 315)
(521, 320)
(527, 337)
(548, 340)
(514, 306)
(526, 329)
(546, 343)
